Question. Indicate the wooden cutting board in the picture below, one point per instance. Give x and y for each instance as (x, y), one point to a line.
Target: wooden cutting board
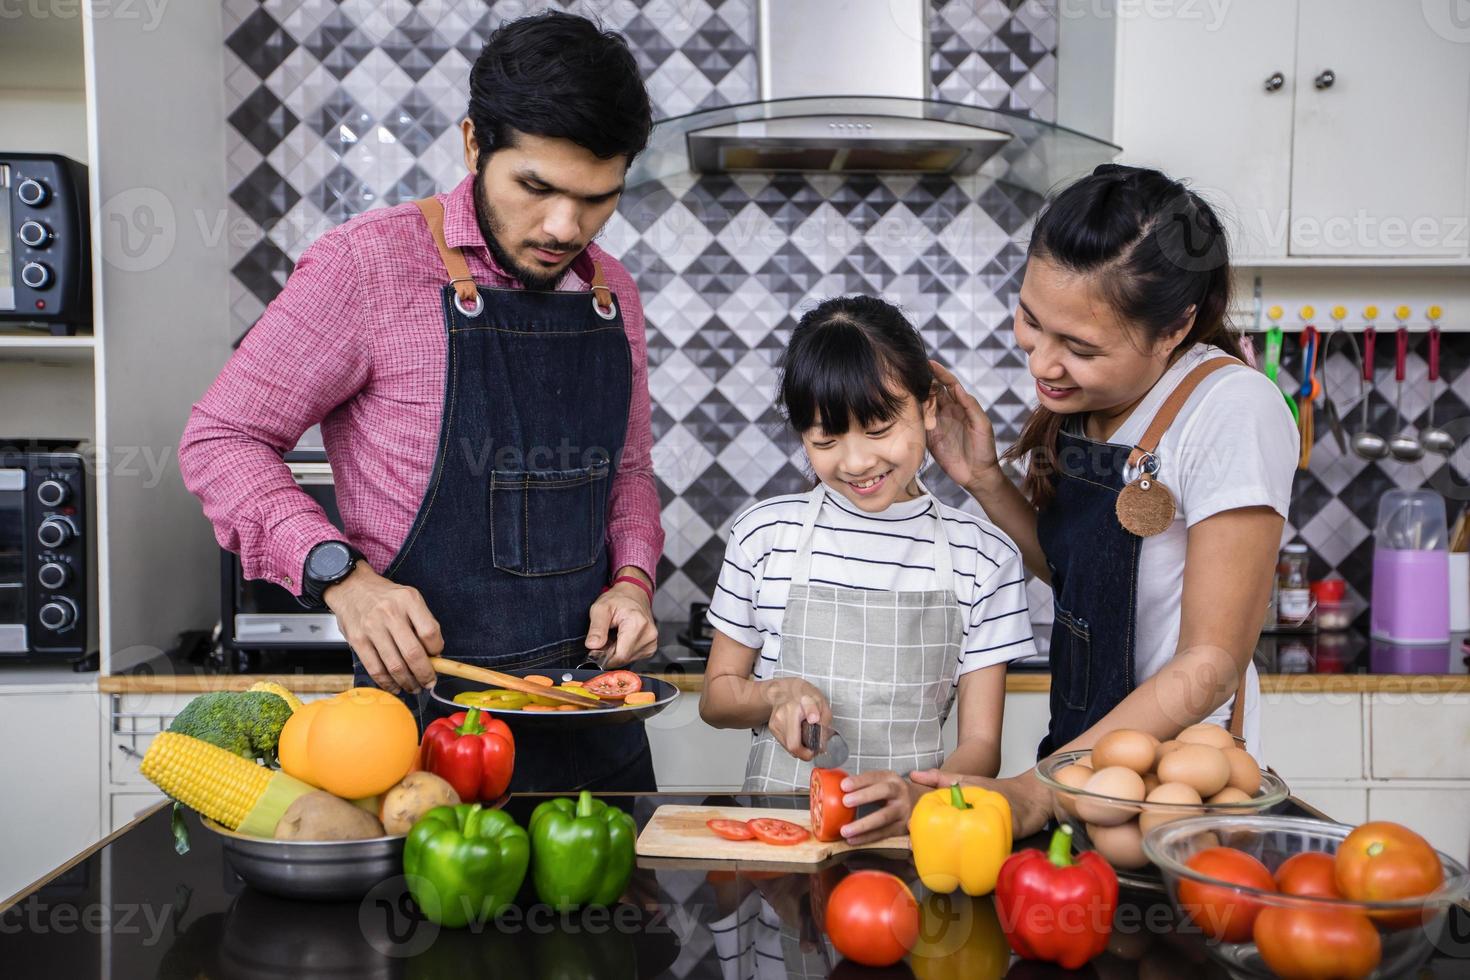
(678, 831)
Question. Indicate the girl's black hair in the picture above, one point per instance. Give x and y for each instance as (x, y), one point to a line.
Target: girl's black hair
(853, 357)
(1154, 248)
(557, 75)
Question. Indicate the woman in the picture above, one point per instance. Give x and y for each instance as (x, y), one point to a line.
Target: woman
(1158, 603)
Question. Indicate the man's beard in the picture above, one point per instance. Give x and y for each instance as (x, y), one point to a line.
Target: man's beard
(490, 227)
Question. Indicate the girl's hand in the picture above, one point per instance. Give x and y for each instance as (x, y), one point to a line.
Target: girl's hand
(794, 701)
(963, 441)
(896, 794)
(1030, 801)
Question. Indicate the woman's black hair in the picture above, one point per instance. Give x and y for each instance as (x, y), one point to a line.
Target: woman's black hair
(1153, 249)
(556, 74)
(853, 357)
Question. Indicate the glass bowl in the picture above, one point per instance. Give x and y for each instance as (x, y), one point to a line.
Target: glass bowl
(1114, 827)
(1408, 930)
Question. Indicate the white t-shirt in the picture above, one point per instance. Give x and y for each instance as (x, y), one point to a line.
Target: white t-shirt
(1234, 444)
(890, 551)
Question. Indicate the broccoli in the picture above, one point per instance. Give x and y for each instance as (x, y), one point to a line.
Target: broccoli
(247, 723)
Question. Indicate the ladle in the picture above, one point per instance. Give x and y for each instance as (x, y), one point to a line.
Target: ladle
(1368, 444)
(1435, 439)
(1405, 444)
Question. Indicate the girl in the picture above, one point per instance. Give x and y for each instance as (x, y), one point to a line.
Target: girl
(1122, 315)
(864, 605)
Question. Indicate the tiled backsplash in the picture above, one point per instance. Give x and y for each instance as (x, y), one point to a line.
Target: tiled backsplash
(339, 108)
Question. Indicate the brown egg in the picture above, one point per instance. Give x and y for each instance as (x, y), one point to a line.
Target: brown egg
(1167, 793)
(1207, 733)
(1115, 781)
(1229, 795)
(1164, 749)
(1122, 844)
(1126, 748)
(1245, 775)
(1075, 776)
(1201, 767)
(1150, 783)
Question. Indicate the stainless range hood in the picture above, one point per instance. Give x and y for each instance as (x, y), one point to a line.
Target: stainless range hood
(844, 89)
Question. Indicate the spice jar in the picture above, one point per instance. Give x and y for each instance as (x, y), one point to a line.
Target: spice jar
(1293, 590)
(1333, 610)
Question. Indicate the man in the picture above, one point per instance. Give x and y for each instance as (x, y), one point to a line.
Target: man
(479, 371)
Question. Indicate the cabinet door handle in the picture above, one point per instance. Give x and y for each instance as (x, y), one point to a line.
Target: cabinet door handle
(1274, 83)
(1325, 79)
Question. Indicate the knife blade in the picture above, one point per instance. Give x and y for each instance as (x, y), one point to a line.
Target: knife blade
(827, 744)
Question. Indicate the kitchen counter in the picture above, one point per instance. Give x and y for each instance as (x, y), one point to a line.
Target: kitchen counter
(1332, 663)
(132, 907)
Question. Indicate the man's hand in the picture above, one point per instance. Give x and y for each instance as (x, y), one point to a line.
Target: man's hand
(897, 795)
(794, 701)
(388, 626)
(626, 609)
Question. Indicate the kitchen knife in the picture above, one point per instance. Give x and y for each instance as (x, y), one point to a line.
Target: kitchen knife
(828, 744)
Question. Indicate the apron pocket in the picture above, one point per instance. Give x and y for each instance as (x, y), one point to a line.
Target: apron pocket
(1071, 650)
(548, 522)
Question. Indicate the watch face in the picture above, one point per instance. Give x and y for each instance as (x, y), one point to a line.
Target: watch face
(329, 561)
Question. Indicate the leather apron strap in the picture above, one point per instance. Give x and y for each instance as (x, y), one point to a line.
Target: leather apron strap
(1173, 405)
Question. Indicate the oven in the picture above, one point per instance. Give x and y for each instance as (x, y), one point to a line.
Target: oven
(45, 258)
(47, 553)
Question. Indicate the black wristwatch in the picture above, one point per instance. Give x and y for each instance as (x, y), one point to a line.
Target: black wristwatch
(326, 565)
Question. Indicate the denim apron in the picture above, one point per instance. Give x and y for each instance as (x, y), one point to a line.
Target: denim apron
(509, 544)
(885, 662)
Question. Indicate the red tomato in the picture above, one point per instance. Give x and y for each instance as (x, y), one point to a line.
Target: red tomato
(615, 684)
(872, 918)
(1318, 944)
(1308, 873)
(773, 831)
(731, 829)
(1382, 861)
(1224, 913)
(829, 813)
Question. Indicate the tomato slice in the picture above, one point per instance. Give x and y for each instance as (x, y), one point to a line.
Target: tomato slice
(615, 684)
(731, 829)
(769, 830)
(829, 814)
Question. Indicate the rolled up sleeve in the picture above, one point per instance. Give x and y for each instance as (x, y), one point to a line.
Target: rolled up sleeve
(635, 531)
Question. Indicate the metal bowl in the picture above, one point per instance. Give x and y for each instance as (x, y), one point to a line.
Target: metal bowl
(313, 870)
(665, 693)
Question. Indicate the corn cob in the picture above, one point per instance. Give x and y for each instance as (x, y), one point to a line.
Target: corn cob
(234, 792)
(271, 687)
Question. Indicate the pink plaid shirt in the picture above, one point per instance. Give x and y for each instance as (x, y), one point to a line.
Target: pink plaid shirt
(356, 341)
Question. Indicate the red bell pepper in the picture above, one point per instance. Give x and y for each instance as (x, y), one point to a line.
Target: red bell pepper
(1053, 908)
(476, 756)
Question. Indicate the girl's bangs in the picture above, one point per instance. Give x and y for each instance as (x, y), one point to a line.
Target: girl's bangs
(835, 379)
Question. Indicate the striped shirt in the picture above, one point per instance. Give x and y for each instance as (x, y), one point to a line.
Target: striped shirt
(890, 552)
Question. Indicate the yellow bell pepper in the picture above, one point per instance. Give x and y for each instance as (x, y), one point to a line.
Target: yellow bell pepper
(960, 938)
(960, 837)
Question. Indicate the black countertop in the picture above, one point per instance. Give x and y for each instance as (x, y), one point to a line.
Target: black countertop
(131, 907)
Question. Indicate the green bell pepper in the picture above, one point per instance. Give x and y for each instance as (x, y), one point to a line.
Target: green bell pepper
(584, 851)
(465, 863)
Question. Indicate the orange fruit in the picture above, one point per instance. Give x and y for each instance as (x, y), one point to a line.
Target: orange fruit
(291, 747)
(361, 743)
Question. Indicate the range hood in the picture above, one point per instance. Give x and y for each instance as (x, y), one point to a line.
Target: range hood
(844, 88)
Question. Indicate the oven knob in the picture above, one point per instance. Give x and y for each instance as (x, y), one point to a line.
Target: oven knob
(36, 275)
(55, 532)
(52, 493)
(32, 192)
(53, 575)
(34, 234)
(58, 614)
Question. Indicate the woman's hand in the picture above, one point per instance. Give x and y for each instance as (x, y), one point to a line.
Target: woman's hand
(1030, 801)
(963, 441)
(897, 795)
(794, 701)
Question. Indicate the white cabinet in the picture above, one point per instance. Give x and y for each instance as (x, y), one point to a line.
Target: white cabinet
(1321, 128)
(50, 770)
(1420, 736)
(1442, 816)
(1026, 719)
(1379, 149)
(689, 755)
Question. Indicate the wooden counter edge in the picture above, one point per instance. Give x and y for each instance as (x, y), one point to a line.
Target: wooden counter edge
(1016, 683)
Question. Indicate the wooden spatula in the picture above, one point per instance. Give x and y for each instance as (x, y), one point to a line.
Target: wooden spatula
(494, 678)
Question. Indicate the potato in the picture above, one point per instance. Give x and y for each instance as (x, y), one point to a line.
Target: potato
(416, 794)
(322, 816)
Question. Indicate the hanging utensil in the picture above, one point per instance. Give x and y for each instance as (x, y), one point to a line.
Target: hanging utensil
(1436, 440)
(1368, 444)
(1273, 360)
(1306, 392)
(1334, 421)
(1405, 445)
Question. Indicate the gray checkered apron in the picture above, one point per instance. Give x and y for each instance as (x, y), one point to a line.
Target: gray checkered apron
(885, 661)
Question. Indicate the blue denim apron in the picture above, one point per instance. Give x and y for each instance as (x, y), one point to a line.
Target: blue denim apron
(1093, 562)
(509, 547)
